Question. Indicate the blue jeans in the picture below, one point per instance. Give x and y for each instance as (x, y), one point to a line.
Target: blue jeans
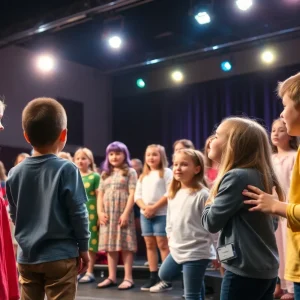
(297, 290)
(235, 287)
(193, 275)
(155, 226)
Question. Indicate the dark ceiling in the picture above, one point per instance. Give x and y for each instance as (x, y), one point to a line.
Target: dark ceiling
(152, 29)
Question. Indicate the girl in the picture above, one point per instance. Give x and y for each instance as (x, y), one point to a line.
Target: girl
(191, 246)
(115, 212)
(211, 170)
(8, 273)
(84, 160)
(247, 245)
(150, 197)
(20, 158)
(137, 165)
(183, 144)
(284, 155)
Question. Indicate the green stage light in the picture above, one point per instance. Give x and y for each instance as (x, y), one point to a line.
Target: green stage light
(140, 83)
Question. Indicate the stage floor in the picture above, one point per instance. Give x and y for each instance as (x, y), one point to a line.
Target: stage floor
(90, 292)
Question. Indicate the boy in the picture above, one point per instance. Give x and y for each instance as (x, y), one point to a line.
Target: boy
(47, 205)
(289, 91)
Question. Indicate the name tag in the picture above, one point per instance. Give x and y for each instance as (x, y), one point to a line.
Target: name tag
(226, 252)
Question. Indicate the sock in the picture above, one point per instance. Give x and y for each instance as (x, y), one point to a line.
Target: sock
(154, 274)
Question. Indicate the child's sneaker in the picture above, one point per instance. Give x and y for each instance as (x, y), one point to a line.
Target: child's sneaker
(162, 286)
(152, 282)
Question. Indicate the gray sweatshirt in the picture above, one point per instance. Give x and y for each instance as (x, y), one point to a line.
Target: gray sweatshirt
(252, 233)
(188, 240)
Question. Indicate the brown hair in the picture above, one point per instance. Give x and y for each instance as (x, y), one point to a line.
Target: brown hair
(293, 142)
(290, 86)
(2, 172)
(198, 180)
(22, 155)
(43, 119)
(162, 165)
(139, 162)
(89, 154)
(186, 143)
(247, 146)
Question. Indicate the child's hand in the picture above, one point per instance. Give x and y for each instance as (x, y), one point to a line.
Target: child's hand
(149, 211)
(83, 262)
(124, 219)
(260, 200)
(103, 218)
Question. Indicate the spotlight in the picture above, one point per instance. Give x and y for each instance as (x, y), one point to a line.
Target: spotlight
(115, 42)
(202, 17)
(268, 56)
(45, 63)
(140, 83)
(244, 4)
(177, 76)
(226, 66)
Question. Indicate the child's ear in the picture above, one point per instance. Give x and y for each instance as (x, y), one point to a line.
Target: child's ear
(26, 137)
(197, 170)
(63, 136)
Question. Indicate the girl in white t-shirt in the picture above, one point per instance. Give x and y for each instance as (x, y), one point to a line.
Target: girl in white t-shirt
(150, 196)
(191, 246)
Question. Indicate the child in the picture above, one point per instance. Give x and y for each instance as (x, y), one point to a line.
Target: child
(3, 179)
(289, 91)
(191, 246)
(183, 144)
(65, 155)
(211, 170)
(247, 245)
(284, 155)
(150, 196)
(47, 205)
(115, 212)
(138, 166)
(84, 160)
(20, 158)
(8, 273)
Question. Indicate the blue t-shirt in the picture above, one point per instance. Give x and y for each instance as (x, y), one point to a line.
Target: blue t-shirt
(47, 204)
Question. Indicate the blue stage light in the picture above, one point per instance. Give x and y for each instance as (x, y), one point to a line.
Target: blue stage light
(226, 66)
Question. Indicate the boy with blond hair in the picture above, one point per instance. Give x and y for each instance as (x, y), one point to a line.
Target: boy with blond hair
(47, 205)
(289, 91)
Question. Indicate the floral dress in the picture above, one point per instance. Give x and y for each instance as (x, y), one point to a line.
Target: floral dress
(91, 184)
(116, 191)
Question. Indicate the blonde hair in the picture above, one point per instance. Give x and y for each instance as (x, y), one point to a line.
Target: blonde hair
(291, 86)
(186, 143)
(247, 146)
(89, 154)
(208, 161)
(65, 155)
(293, 142)
(22, 156)
(198, 180)
(162, 164)
(2, 172)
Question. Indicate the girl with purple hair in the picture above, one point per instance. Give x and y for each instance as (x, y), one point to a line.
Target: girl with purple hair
(115, 212)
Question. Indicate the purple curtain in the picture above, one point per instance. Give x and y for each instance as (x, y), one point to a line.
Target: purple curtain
(194, 111)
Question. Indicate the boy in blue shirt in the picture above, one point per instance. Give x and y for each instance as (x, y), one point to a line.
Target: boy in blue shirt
(47, 205)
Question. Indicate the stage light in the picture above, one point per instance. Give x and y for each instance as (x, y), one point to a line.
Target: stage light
(268, 56)
(115, 42)
(140, 83)
(45, 63)
(202, 18)
(244, 4)
(226, 66)
(177, 76)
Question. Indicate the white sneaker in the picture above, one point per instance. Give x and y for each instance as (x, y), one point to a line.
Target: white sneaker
(162, 286)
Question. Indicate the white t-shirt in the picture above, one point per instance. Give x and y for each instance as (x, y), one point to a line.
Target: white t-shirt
(152, 188)
(188, 240)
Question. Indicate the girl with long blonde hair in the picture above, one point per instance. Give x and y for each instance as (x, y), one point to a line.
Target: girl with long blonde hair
(247, 246)
(84, 159)
(150, 196)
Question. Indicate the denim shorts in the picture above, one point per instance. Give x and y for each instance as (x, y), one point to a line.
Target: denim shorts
(153, 227)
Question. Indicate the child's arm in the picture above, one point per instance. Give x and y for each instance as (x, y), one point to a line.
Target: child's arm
(226, 203)
(168, 222)
(12, 205)
(138, 195)
(102, 216)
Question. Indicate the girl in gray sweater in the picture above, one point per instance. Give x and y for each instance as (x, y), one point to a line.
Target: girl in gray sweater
(247, 246)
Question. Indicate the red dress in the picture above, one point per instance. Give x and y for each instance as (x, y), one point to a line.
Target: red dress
(9, 289)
